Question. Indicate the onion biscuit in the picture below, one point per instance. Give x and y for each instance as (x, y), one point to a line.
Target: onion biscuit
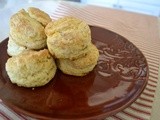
(68, 37)
(31, 68)
(80, 66)
(27, 31)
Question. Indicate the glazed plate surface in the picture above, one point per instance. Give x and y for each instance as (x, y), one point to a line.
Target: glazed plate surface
(118, 79)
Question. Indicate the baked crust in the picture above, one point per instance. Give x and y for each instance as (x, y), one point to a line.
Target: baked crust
(68, 37)
(31, 68)
(27, 31)
(39, 15)
(80, 66)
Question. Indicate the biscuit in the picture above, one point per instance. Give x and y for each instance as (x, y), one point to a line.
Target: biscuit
(26, 31)
(13, 49)
(31, 68)
(68, 37)
(39, 15)
(80, 66)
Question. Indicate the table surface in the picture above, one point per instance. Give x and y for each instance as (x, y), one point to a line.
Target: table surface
(50, 6)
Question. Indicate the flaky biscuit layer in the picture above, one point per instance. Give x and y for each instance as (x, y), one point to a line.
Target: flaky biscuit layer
(13, 49)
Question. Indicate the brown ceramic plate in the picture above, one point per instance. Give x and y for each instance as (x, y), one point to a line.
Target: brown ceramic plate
(118, 79)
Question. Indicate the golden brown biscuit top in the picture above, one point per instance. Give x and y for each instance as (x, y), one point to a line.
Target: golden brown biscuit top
(30, 57)
(67, 24)
(31, 68)
(24, 24)
(27, 31)
(35, 54)
(39, 15)
(68, 37)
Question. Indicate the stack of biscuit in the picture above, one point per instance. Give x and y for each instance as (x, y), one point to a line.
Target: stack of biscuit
(27, 31)
(69, 41)
(30, 65)
(69, 48)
